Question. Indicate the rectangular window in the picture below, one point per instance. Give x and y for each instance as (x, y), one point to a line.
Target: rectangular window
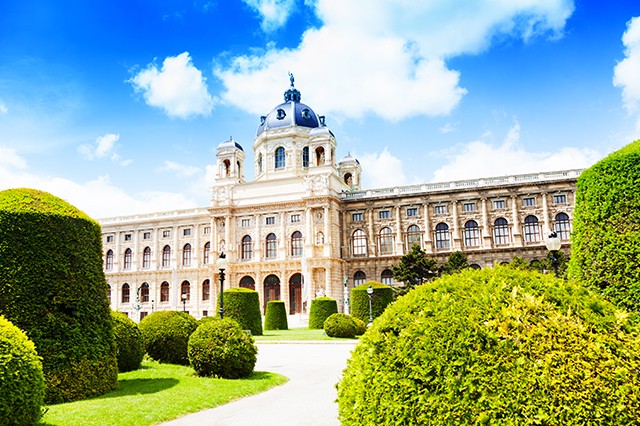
(356, 217)
(245, 223)
(469, 207)
(146, 236)
(412, 212)
(560, 199)
(206, 230)
(166, 233)
(127, 237)
(440, 209)
(499, 204)
(385, 214)
(271, 220)
(529, 201)
(186, 232)
(205, 313)
(295, 218)
(109, 238)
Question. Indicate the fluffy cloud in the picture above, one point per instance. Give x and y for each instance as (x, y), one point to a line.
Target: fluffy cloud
(401, 49)
(179, 169)
(104, 146)
(178, 87)
(626, 73)
(274, 13)
(480, 158)
(3, 108)
(372, 163)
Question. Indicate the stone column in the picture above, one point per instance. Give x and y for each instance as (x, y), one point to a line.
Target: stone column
(399, 249)
(428, 239)
(517, 230)
(487, 240)
(457, 243)
(372, 252)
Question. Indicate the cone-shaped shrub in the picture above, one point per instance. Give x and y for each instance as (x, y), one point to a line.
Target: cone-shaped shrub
(276, 316)
(382, 296)
(166, 335)
(52, 286)
(243, 305)
(129, 342)
(21, 379)
(340, 325)
(497, 347)
(321, 309)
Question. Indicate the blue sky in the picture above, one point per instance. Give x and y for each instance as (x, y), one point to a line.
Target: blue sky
(118, 107)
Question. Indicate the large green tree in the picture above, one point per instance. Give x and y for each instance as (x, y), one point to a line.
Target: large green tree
(414, 268)
(456, 262)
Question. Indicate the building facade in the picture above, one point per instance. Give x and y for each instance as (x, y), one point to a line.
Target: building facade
(304, 226)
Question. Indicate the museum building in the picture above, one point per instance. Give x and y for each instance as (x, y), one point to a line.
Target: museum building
(304, 226)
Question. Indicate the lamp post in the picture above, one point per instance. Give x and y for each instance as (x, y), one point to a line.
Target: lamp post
(137, 306)
(553, 244)
(370, 294)
(222, 263)
(184, 302)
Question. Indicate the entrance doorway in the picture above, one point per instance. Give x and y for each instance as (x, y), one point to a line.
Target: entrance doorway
(295, 294)
(271, 289)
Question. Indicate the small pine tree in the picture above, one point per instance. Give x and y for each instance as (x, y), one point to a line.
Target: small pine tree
(414, 268)
(456, 262)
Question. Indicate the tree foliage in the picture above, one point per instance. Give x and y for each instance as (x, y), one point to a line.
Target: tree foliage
(413, 269)
(456, 262)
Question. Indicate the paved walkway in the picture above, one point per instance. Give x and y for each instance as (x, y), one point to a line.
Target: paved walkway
(308, 398)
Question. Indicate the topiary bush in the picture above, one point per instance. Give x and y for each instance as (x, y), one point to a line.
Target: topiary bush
(223, 349)
(361, 326)
(129, 342)
(166, 335)
(21, 378)
(321, 309)
(276, 316)
(243, 305)
(605, 240)
(340, 325)
(52, 286)
(495, 346)
(381, 298)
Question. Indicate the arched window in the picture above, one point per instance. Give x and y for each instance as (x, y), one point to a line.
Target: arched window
(164, 291)
(296, 244)
(280, 158)
(206, 289)
(144, 292)
(271, 251)
(319, 238)
(127, 259)
(206, 253)
(501, 231)
(319, 156)
(348, 179)
(248, 282)
(475, 266)
(386, 241)
(359, 278)
(186, 255)
(413, 236)
(259, 163)
(359, 243)
(442, 236)
(166, 256)
(562, 226)
(387, 277)
(185, 288)
(227, 167)
(109, 261)
(305, 156)
(125, 293)
(247, 248)
(146, 257)
(531, 229)
(471, 234)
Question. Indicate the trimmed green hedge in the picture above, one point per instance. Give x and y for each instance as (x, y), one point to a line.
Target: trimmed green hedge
(166, 335)
(52, 286)
(340, 325)
(361, 326)
(21, 378)
(243, 305)
(381, 298)
(605, 241)
(276, 316)
(321, 309)
(129, 342)
(497, 347)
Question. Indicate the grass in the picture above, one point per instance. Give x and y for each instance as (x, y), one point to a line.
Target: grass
(294, 334)
(157, 393)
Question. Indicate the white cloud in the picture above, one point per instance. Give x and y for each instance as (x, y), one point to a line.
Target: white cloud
(448, 128)
(103, 147)
(481, 158)
(626, 73)
(373, 163)
(386, 58)
(180, 169)
(9, 159)
(274, 13)
(3, 108)
(178, 88)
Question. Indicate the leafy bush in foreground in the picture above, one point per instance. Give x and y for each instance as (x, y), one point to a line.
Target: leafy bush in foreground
(166, 335)
(129, 342)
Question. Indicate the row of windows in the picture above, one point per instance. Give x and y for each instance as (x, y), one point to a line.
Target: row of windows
(386, 277)
(166, 257)
(166, 233)
(280, 158)
(271, 246)
(143, 291)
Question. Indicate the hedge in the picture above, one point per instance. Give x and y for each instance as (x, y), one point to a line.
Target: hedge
(321, 309)
(340, 325)
(276, 316)
(605, 240)
(243, 305)
(52, 286)
(381, 298)
(129, 342)
(21, 378)
(495, 346)
(166, 335)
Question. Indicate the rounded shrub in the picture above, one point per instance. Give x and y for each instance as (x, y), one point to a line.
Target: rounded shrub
(495, 346)
(361, 326)
(221, 348)
(340, 325)
(276, 316)
(129, 342)
(321, 309)
(243, 305)
(52, 286)
(381, 298)
(166, 335)
(605, 240)
(21, 378)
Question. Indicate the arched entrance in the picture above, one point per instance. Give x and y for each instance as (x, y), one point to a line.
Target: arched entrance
(248, 282)
(271, 289)
(295, 294)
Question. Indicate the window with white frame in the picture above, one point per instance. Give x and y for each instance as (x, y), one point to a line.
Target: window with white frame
(562, 226)
(413, 236)
(186, 255)
(146, 235)
(471, 234)
(247, 248)
(560, 199)
(206, 230)
(469, 207)
(359, 278)
(296, 244)
(386, 241)
(442, 236)
(109, 238)
(529, 201)
(501, 231)
(166, 233)
(186, 232)
(412, 211)
(245, 223)
(499, 204)
(146, 258)
(127, 259)
(359, 243)
(271, 251)
(271, 220)
(387, 277)
(385, 214)
(109, 261)
(442, 209)
(531, 229)
(127, 237)
(295, 218)
(356, 217)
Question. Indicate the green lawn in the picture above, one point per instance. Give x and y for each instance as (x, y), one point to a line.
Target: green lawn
(157, 393)
(294, 334)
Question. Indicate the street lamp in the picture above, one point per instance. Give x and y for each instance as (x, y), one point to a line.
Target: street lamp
(184, 302)
(553, 244)
(222, 263)
(370, 294)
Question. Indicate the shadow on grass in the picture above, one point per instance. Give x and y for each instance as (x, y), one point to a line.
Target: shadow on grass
(259, 375)
(139, 387)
